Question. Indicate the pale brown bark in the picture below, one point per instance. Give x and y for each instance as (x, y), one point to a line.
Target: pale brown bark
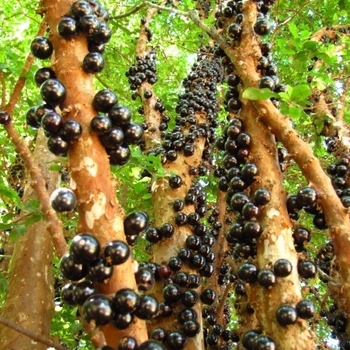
(276, 241)
(99, 210)
(29, 298)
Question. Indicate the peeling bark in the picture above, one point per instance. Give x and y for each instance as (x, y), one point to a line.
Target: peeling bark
(99, 210)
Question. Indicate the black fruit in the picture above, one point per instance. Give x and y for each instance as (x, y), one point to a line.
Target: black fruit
(267, 82)
(176, 340)
(101, 124)
(262, 196)
(112, 138)
(151, 345)
(264, 342)
(63, 200)
(133, 133)
(208, 296)
(57, 145)
(93, 63)
(171, 293)
(53, 92)
(306, 197)
(67, 294)
(52, 122)
(5, 118)
(82, 291)
(135, 223)
(306, 309)
(67, 27)
(248, 272)
(175, 181)
(71, 130)
(100, 270)
(41, 47)
(126, 301)
(119, 155)
(282, 268)
(104, 100)
(307, 269)
(123, 321)
(98, 308)
(286, 315)
(116, 252)
(43, 74)
(84, 247)
(147, 308)
(127, 343)
(266, 278)
(80, 9)
(119, 115)
(262, 26)
(70, 269)
(144, 278)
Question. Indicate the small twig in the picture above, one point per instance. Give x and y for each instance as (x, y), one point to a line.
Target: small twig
(3, 89)
(38, 338)
(131, 12)
(340, 111)
(220, 309)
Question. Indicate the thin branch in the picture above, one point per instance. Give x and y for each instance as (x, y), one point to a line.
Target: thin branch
(221, 307)
(131, 12)
(36, 337)
(340, 111)
(3, 89)
(38, 181)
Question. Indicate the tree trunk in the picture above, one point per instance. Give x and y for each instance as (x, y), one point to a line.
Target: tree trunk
(29, 297)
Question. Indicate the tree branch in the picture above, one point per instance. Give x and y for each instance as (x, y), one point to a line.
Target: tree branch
(129, 13)
(38, 338)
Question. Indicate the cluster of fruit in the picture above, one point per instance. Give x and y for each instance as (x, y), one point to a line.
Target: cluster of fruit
(115, 128)
(86, 264)
(143, 70)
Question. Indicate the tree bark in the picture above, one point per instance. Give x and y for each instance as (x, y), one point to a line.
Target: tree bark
(29, 297)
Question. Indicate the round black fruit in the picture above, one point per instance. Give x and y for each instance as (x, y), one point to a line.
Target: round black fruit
(176, 340)
(5, 118)
(282, 268)
(307, 269)
(264, 342)
(43, 74)
(262, 26)
(98, 308)
(84, 247)
(52, 122)
(126, 300)
(116, 252)
(53, 92)
(135, 223)
(151, 345)
(119, 115)
(147, 308)
(127, 343)
(104, 100)
(133, 133)
(306, 197)
(93, 63)
(286, 315)
(67, 27)
(266, 278)
(101, 124)
(119, 155)
(63, 200)
(208, 296)
(306, 309)
(41, 47)
(57, 145)
(71, 269)
(71, 130)
(248, 272)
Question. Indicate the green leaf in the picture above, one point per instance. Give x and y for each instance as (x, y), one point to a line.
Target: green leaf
(8, 192)
(258, 94)
(300, 93)
(18, 231)
(293, 29)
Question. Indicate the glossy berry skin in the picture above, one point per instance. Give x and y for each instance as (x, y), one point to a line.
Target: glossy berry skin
(151, 345)
(266, 278)
(133, 133)
(191, 328)
(264, 342)
(63, 200)
(234, 31)
(116, 252)
(127, 343)
(5, 118)
(301, 236)
(57, 145)
(305, 309)
(249, 338)
(262, 27)
(93, 63)
(147, 308)
(248, 272)
(70, 269)
(67, 27)
(84, 247)
(286, 315)
(104, 100)
(41, 110)
(66, 294)
(166, 230)
(306, 197)
(71, 130)
(119, 115)
(267, 82)
(89, 25)
(98, 308)
(126, 300)
(119, 155)
(99, 271)
(282, 268)
(82, 291)
(172, 293)
(101, 124)
(189, 298)
(261, 196)
(208, 296)
(135, 223)
(80, 9)
(175, 181)
(52, 122)
(31, 119)
(144, 278)
(41, 47)
(53, 92)
(307, 269)
(43, 74)
(123, 321)
(103, 35)
(112, 138)
(176, 340)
